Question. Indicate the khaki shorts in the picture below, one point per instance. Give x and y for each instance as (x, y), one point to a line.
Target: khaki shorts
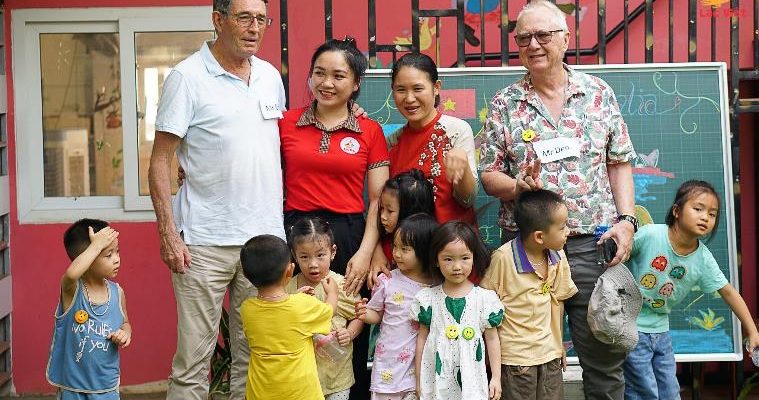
(539, 382)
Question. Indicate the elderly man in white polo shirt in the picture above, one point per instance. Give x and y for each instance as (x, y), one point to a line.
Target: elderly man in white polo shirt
(219, 112)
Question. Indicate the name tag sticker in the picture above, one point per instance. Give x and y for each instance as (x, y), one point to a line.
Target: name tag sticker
(556, 149)
(270, 110)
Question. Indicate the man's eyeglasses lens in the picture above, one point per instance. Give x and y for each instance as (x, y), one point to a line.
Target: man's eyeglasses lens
(246, 20)
(543, 37)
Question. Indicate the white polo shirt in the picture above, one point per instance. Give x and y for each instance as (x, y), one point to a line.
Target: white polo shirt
(229, 149)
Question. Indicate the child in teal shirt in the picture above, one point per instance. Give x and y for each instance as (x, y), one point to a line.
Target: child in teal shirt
(667, 262)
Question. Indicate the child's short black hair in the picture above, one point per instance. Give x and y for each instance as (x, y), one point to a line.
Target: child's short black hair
(452, 231)
(416, 231)
(76, 239)
(534, 210)
(264, 259)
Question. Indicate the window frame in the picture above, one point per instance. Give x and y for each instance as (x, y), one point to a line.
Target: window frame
(27, 25)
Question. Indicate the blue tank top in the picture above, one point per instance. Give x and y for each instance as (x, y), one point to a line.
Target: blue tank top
(81, 358)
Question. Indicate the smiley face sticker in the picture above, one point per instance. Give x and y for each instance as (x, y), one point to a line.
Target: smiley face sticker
(452, 332)
(528, 135)
(81, 316)
(546, 288)
(468, 333)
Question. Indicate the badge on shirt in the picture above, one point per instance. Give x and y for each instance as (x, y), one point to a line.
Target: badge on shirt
(556, 149)
(350, 145)
(270, 110)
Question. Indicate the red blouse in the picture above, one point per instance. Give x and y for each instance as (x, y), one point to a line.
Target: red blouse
(425, 149)
(326, 170)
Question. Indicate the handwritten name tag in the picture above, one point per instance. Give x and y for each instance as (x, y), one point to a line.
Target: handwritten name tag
(270, 110)
(556, 149)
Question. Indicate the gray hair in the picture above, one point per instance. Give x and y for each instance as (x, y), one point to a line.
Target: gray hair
(554, 13)
(222, 6)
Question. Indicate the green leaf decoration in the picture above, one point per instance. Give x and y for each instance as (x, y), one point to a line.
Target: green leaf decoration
(438, 363)
(455, 307)
(425, 315)
(478, 352)
(495, 318)
(458, 378)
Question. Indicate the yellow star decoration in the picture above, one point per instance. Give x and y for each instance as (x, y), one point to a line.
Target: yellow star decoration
(449, 105)
(483, 114)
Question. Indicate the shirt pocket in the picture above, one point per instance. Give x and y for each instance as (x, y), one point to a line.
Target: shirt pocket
(518, 370)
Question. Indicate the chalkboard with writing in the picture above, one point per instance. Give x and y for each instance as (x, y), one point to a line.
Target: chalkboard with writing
(677, 119)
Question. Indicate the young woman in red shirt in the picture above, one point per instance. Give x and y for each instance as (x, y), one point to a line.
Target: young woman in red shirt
(328, 153)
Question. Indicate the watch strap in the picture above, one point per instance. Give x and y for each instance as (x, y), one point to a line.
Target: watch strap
(629, 218)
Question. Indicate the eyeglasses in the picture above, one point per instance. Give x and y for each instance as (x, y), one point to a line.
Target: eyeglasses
(246, 20)
(543, 37)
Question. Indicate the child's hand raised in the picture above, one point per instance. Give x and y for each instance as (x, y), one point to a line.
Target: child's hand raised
(103, 238)
(121, 338)
(309, 290)
(360, 307)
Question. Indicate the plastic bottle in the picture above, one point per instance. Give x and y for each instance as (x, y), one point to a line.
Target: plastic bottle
(754, 353)
(600, 230)
(327, 346)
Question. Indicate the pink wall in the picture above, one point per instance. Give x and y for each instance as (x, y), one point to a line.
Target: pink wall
(38, 259)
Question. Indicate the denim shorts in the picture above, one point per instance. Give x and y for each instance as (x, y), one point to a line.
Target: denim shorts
(650, 370)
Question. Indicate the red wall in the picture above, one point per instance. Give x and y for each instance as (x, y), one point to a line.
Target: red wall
(38, 259)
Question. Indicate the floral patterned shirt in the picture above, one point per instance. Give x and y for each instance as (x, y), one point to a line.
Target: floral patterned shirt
(517, 118)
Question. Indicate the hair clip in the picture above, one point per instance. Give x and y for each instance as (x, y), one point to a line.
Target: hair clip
(349, 40)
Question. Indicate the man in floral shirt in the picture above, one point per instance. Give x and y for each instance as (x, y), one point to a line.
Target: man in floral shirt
(562, 130)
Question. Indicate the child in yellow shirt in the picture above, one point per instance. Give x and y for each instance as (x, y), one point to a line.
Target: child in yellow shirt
(313, 246)
(279, 326)
(531, 276)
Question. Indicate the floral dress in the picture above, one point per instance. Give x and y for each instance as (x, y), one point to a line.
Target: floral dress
(453, 361)
(393, 368)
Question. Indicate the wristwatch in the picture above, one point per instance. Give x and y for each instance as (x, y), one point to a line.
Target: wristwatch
(629, 218)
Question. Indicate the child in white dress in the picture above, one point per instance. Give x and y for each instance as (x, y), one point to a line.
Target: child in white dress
(454, 317)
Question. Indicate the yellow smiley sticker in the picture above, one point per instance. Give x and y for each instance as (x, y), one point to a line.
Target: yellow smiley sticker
(468, 333)
(81, 316)
(452, 332)
(528, 135)
(546, 288)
